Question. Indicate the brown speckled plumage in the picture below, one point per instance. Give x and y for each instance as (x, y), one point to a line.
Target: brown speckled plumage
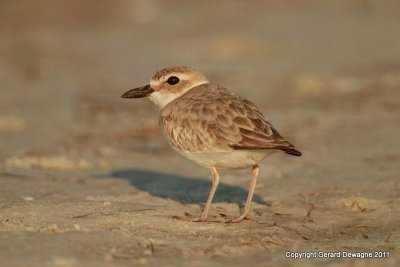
(211, 117)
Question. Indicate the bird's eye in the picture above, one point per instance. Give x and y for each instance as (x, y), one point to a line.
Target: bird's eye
(173, 80)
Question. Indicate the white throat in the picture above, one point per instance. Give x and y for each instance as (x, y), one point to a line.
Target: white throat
(162, 99)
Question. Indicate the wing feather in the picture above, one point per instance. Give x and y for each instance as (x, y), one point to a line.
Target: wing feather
(210, 117)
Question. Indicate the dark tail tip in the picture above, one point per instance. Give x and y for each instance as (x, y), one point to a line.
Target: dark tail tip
(292, 151)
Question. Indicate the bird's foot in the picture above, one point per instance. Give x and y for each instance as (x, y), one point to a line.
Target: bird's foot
(190, 218)
(239, 219)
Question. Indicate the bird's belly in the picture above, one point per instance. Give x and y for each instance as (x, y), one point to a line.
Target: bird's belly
(234, 159)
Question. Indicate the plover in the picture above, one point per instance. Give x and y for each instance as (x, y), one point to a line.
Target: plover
(211, 126)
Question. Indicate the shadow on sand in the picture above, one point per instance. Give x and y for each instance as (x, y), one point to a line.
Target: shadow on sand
(183, 189)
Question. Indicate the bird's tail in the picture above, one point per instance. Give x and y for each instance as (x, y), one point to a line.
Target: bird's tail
(292, 151)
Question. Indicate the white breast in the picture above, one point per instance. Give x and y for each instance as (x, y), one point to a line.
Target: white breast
(234, 159)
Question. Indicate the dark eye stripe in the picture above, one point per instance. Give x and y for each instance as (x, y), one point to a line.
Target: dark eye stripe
(173, 80)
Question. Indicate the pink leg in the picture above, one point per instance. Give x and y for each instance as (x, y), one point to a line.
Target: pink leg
(204, 214)
(252, 186)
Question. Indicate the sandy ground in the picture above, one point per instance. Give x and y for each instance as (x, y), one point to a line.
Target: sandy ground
(87, 179)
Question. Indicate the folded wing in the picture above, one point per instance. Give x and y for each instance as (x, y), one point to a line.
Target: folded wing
(212, 118)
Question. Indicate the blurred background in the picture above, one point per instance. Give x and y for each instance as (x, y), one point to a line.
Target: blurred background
(325, 73)
(64, 64)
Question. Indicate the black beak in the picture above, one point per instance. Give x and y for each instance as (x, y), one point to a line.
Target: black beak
(139, 92)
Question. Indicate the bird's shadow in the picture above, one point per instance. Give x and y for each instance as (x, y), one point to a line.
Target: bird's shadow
(183, 189)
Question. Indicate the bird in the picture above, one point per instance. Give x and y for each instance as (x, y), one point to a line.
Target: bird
(212, 127)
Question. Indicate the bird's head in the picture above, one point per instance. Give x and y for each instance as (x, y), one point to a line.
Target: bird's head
(168, 84)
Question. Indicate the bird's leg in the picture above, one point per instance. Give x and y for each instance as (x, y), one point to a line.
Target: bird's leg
(203, 216)
(215, 183)
(252, 186)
